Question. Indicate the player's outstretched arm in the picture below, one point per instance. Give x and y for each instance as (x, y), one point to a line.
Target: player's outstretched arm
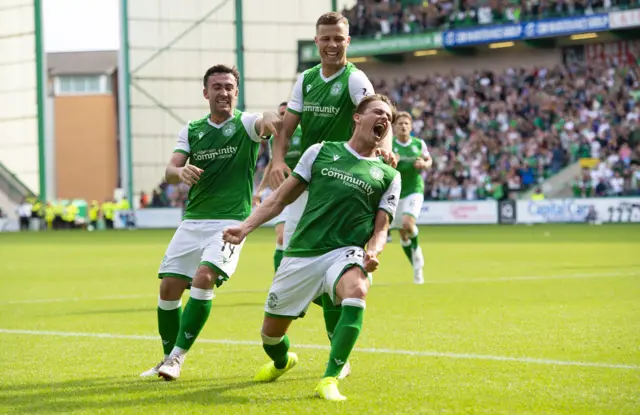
(272, 207)
(279, 169)
(377, 241)
(263, 184)
(269, 124)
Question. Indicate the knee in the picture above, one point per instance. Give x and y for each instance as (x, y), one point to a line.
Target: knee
(171, 289)
(408, 224)
(354, 284)
(358, 291)
(204, 278)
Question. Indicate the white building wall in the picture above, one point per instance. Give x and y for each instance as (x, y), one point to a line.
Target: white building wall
(18, 103)
(173, 79)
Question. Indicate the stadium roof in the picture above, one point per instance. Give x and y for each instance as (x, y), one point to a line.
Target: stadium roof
(82, 63)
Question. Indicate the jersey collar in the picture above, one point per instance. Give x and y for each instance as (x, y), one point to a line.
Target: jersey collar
(334, 76)
(211, 123)
(356, 155)
(400, 143)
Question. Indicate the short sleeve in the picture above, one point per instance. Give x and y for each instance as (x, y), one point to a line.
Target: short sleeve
(249, 121)
(391, 197)
(182, 145)
(303, 169)
(425, 150)
(359, 86)
(296, 101)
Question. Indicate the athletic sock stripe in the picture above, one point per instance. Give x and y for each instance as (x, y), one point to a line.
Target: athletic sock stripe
(354, 302)
(271, 341)
(201, 294)
(168, 305)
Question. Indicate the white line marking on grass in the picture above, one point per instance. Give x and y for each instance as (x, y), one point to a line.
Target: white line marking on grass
(424, 353)
(449, 281)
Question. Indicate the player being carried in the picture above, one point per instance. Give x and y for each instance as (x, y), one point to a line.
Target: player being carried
(322, 103)
(222, 149)
(291, 159)
(413, 157)
(352, 198)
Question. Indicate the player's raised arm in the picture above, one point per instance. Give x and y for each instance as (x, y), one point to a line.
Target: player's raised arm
(177, 170)
(279, 169)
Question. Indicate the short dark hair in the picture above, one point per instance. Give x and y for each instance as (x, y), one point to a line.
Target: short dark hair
(331, 18)
(404, 114)
(283, 103)
(362, 106)
(220, 69)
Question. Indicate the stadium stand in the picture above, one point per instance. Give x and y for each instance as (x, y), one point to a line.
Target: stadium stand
(392, 17)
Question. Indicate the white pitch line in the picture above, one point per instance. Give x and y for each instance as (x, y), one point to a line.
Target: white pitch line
(424, 353)
(450, 281)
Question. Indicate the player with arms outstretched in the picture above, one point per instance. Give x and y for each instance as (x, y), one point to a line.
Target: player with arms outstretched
(322, 103)
(413, 157)
(222, 150)
(352, 198)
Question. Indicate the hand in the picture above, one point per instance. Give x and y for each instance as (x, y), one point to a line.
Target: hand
(271, 123)
(389, 157)
(279, 172)
(255, 202)
(371, 261)
(190, 174)
(234, 235)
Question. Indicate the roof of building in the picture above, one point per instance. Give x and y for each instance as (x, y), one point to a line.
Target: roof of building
(82, 63)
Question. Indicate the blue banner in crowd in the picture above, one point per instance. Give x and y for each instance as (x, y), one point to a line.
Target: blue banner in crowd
(529, 30)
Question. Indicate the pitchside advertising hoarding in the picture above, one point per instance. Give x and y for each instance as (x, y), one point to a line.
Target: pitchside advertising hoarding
(482, 212)
(605, 210)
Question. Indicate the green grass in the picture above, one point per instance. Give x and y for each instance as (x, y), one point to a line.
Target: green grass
(554, 298)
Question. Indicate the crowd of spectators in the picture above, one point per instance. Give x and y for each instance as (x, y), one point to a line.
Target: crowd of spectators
(492, 133)
(391, 17)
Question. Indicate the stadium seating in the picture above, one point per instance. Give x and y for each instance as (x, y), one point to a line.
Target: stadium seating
(391, 17)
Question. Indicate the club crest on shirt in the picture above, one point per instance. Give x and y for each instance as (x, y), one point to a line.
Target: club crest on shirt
(336, 88)
(229, 129)
(376, 173)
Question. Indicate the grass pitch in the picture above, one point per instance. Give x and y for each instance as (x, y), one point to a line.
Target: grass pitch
(511, 320)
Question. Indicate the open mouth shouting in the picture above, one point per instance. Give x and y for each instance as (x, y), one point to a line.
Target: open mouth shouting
(379, 130)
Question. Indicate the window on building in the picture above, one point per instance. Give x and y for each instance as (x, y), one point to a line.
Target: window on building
(82, 84)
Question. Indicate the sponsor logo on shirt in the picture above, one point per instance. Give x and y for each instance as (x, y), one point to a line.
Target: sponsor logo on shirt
(348, 179)
(321, 110)
(215, 153)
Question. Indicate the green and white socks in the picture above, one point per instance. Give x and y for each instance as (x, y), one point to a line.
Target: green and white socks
(194, 317)
(345, 335)
(277, 349)
(169, 314)
(411, 245)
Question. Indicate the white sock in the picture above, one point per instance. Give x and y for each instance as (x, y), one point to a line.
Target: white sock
(181, 353)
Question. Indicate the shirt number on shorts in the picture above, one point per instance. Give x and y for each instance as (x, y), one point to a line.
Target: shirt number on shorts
(228, 247)
(355, 253)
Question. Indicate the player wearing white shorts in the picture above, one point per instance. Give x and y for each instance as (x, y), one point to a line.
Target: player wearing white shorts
(291, 159)
(413, 157)
(322, 103)
(222, 149)
(352, 198)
